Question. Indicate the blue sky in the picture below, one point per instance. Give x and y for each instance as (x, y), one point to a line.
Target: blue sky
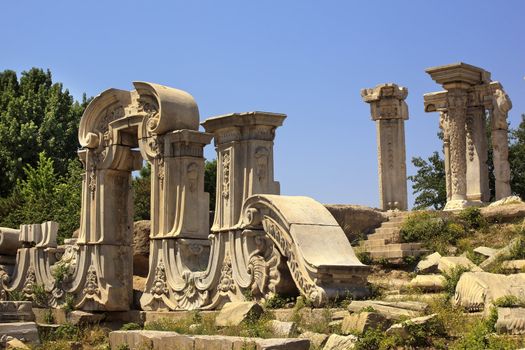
(308, 59)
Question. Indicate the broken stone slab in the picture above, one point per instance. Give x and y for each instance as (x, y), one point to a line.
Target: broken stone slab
(233, 314)
(340, 342)
(139, 339)
(360, 322)
(511, 321)
(26, 332)
(282, 329)
(385, 308)
(16, 311)
(476, 291)
(429, 264)
(506, 201)
(415, 297)
(78, 317)
(317, 340)
(16, 344)
(500, 254)
(513, 266)
(448, 263)
(339, 315)
(402, 329)
(503, 213)
(485, 251)
(428, 283)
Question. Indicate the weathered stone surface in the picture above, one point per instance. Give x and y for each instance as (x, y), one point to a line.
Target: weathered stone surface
(391, 310)
(16, 344)
(511, 320)
(283, 344)
(233, 314)
(150, 340)
(428, 283)
(26, 332)
(282, 329)
(340, 342)
(356, 220)
(317, 340)
(59, 316)
(503, 213)
(9, 242)
(429, 264)
(476, 291)
(509, 200)
(499, 255)
(485, 251)
(78, 317)
(401, 329)
(207, 342)
(141, 232)
(513, 266)
(449, 263)
(16, 311)
(360, 322)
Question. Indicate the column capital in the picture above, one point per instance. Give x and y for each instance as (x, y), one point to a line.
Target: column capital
(458, 75)
(387, 101)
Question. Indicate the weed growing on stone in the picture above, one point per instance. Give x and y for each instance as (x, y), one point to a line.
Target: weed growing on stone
(452, 279)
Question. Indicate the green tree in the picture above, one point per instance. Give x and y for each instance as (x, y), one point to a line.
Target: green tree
(210, 180)
(35, 115)
(142, 193)
(517, 159)
(429, 182)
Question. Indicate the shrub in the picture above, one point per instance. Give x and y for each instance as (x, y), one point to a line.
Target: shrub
(130, 326)
(472, 218)
(452, 279)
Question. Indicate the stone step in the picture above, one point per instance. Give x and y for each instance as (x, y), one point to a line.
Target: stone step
(370, 243)
(390, 224)
(396, 254)
(390, 237)
(386, 230)
(402, 246)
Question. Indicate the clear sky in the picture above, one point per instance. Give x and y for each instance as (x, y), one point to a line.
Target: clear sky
(308, 59)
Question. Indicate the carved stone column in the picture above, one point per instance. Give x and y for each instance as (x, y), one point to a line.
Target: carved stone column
(501, 105)
(477, 155)
(244, 143)
(458, 80)
(389, 110)
(444, 126)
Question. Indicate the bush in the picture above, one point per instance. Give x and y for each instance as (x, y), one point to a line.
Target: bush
(472, 218)
(452, 279)
(130, 327)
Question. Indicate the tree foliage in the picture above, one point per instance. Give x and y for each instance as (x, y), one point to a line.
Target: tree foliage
(36, 115)
(517, 159)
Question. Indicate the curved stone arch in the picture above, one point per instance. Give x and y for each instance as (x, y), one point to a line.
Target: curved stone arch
(299, 227)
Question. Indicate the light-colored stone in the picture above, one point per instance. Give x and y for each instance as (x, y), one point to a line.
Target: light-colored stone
(9, 241)
(504, 213)
(509, 200)
(141, 233)
(282, 329)
(26, 332)
(476, 291)
(317, 340)
(391, 310)
(401, 329)
(360, 322)
(429, 264)
(140, 339)
(513, 266)
(501, 105)
(511, 320)
(340, 342)
(485, 251)
(356, 220)
(448, 263)
(78, 317)
(428, 283)
(16, 311)
(389, 110)
(15, 344)
(282, 344)
(233, 314)
(501, 254)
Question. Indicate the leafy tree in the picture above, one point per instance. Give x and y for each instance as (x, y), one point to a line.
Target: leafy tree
(517, 159)
(142, 190)
(35, 115)
(429, 182)
(210, 180)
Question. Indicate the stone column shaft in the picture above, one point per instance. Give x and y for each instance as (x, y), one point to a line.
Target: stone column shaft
(477, 156)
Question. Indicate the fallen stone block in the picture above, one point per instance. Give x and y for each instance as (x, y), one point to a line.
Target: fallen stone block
(233, 314)
(429, 264)
(282, 344)
(511, 321)
(402, 329)
(476, 291)
(360, 322)
(26, 332)
(513, 266)
(16, 344)
(428, 283)
(485, 251)
(150, 340)
(501, 254)
(16, 311)
(219, 342)
(391, 310)
(317, 340)
(78, 317)
(340, 342)
(448, 263)
(282, 329)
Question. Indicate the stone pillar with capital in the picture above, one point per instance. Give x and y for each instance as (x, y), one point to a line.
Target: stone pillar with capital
(462, 120)
(389, 110)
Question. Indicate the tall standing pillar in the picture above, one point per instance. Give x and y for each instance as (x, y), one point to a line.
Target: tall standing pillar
(389, 110)
(501, 105)
(458, 80)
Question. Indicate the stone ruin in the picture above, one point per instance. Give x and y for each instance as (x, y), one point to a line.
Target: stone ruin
(260, 243)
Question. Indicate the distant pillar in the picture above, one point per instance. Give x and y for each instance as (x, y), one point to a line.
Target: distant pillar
(501, 105)
(389, 110)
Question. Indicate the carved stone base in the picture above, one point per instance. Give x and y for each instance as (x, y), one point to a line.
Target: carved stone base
(460, 204)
